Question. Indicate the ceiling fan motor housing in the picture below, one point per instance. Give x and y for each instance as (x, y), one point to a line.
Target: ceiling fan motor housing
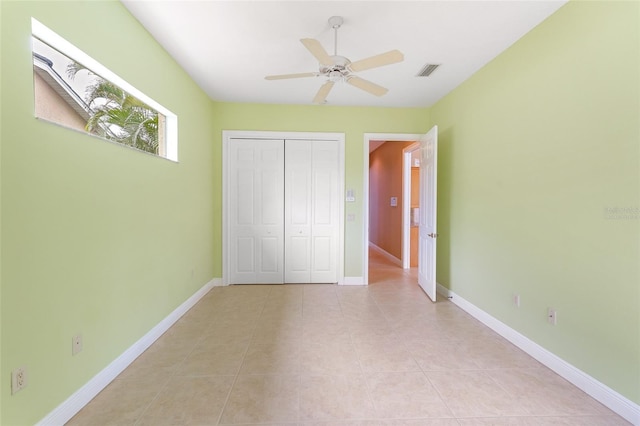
(338, 70)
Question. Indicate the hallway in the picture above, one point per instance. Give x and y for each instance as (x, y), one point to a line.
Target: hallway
(383, 354)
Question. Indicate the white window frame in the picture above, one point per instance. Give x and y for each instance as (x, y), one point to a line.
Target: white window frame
(48, 36)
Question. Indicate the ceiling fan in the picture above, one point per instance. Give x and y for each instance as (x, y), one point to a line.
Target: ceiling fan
(337, 68)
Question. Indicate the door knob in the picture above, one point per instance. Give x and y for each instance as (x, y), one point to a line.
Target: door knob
(433, 235)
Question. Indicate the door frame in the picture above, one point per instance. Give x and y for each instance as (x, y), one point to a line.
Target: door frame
(406, 203)
(227, 135)
(369, 137)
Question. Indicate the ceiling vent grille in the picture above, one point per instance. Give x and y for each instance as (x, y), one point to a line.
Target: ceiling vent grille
(427, 70)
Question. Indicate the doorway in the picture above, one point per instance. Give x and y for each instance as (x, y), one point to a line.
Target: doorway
(371, 139)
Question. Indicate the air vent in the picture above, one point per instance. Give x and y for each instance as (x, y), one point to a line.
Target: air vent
(427, 70)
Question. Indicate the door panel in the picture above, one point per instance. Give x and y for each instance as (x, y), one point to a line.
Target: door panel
(244, 193)
(311, 211)
(325, 218)
(299, 197)
(297, 212)
(256, 200)
(428, 210)
(270, 256)
(245, 254)
(321, 255)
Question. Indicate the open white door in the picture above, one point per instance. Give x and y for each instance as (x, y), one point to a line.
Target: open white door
(428, 209)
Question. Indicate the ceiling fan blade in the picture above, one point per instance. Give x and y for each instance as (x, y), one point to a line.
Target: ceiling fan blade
(317, 50)
(391, 57)
(284, 76)
(367, 86)
(323, 92)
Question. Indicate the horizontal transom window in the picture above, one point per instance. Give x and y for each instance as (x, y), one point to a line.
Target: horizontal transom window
(73, 90)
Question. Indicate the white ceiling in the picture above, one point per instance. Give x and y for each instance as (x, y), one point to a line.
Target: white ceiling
(228, 47)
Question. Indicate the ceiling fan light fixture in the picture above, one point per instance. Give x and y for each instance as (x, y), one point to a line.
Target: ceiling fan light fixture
(335, 76)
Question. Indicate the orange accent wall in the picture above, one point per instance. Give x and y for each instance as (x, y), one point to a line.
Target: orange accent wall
(415, 202)
(385, 181)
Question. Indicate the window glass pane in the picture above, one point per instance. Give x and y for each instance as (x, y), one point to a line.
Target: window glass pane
(71, 94)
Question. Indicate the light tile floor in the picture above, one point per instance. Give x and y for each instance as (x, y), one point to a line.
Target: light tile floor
(337, 355)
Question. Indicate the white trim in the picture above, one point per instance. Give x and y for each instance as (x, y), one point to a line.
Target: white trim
(386, 254)
(72, 405)
(596, 389)
(217, 282)
(368, 137)
(48, 36)
(353, 281)
(250, 134)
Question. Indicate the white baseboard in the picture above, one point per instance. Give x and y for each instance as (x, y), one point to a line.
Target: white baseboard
(352, 281)
(599, 391)
(386, 254)
(69, 408)
(216, 282)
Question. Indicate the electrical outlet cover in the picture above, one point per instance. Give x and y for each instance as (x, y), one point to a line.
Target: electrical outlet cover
(76, 344)
(18, 379)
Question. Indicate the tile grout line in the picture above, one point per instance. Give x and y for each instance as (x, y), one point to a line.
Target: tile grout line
(422, 371)
(235, 378)
(174, 370)
(375, 406)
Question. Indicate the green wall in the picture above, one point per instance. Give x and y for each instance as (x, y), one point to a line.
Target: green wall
(537, 150)
(97, 238)
(354, 122)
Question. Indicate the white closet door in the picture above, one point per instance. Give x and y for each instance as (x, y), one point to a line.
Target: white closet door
(297, 209)
(311, 211)
(325, 226)
(256, 199)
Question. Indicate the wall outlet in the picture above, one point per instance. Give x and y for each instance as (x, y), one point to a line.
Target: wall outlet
(76, 344)
(18, 379)
(552, 316)
(516, 300)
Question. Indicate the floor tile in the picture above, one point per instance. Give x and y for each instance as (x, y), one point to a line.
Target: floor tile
(497, 353)
(272, 358)
(405, 395)
(441, 354)
(334, 397)
(474, 394)
(120, 403)
(387, 354)
(329, 357)
(544, 393)
(189, 400)
(219, 359)
(263, 398)
(546, 421)
(395, 422)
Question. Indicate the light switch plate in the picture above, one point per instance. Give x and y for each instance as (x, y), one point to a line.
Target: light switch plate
(351, 198)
